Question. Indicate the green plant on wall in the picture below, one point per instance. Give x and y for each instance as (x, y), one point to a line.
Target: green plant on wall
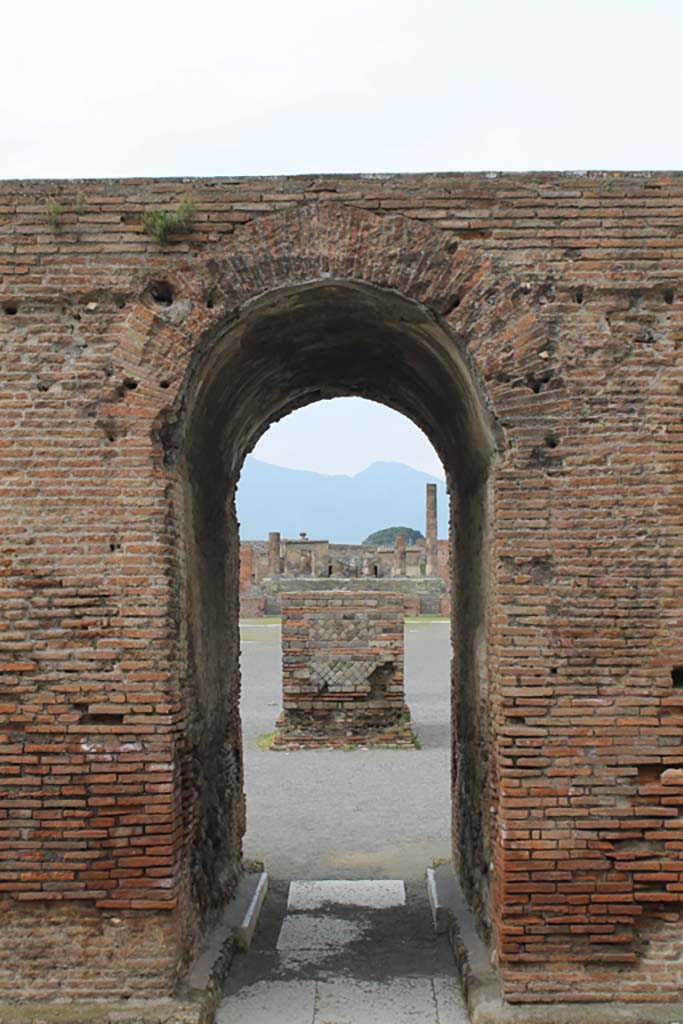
(164, 225)
(79, 205)
(53, 210)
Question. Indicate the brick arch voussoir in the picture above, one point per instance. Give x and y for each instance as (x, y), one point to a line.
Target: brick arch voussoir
(478, 299)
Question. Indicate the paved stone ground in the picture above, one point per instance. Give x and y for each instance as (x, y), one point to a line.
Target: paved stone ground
(339, 963)
(360, 814)
(348, 814)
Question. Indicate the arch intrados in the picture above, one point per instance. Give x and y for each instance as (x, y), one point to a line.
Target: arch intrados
(328, 339)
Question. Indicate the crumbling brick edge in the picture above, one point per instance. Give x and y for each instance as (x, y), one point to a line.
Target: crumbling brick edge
(187, 1007)
(486, 1005)
(124, 1011)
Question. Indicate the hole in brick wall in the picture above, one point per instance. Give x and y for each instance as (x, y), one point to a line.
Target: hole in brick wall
(102, 718)
(164, 384)
(677, 676)
(130, 383)
(454, 303)
(10, 308)
(161, 292)
(536, 383)
(379, 679)
(633, 845)
(669, 296)
(119, 301)
(648, 774)
(541, 570)
(553, 671)
(550, 441)
(97, 717)
(210, 300)
(578, 295)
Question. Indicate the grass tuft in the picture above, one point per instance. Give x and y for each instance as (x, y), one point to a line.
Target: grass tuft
(266, 740)
(164, 225)
(53, 209)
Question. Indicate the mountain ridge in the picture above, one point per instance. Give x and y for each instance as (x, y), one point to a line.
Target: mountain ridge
(341, 508)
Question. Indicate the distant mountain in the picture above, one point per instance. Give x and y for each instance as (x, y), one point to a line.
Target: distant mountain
(342, 509)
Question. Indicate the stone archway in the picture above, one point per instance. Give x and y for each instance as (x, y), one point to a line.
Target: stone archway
(317, 302)
(286, 348)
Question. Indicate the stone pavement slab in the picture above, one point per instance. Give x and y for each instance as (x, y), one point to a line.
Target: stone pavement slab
(270, 1002)
(450, 1002)
(346, 1001)
(338, 962)
(394, 1001)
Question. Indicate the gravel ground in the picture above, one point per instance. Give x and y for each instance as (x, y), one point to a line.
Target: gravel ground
(348, 814)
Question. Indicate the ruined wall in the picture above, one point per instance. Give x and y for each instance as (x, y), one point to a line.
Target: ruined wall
(420, 596)
(342, 670)
(329, 566)
(562, 293)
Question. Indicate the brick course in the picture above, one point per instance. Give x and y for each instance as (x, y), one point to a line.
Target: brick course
(561, 296)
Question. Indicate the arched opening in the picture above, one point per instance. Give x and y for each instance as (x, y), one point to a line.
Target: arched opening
(348, 470)
(290, 347)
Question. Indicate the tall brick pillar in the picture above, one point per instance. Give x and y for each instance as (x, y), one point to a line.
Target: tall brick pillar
(400, 554)
(273, 554)
(432, 567)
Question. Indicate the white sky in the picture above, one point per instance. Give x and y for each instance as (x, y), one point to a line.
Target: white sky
(145, 88)
(344, 435)
(141, 87)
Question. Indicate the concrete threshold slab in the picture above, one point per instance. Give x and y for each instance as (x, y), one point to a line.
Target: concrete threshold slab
(482, 987)
(370, 894)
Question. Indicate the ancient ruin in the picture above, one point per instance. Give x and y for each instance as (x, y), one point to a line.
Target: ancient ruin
(531, 325)
(420, 571)
(342, 670)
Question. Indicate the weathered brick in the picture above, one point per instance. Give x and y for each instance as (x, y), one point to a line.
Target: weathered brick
(561, 293)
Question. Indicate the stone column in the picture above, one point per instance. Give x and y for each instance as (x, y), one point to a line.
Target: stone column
(273, 554)
(400, 554)
(431, 545)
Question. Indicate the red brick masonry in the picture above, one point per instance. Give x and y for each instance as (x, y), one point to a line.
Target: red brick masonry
(563, 295)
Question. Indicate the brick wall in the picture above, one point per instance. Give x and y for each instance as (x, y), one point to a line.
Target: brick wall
(560, 294)
(342, 669)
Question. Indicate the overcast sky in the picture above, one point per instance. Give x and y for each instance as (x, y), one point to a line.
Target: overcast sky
(345, 435)
(137, 88)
